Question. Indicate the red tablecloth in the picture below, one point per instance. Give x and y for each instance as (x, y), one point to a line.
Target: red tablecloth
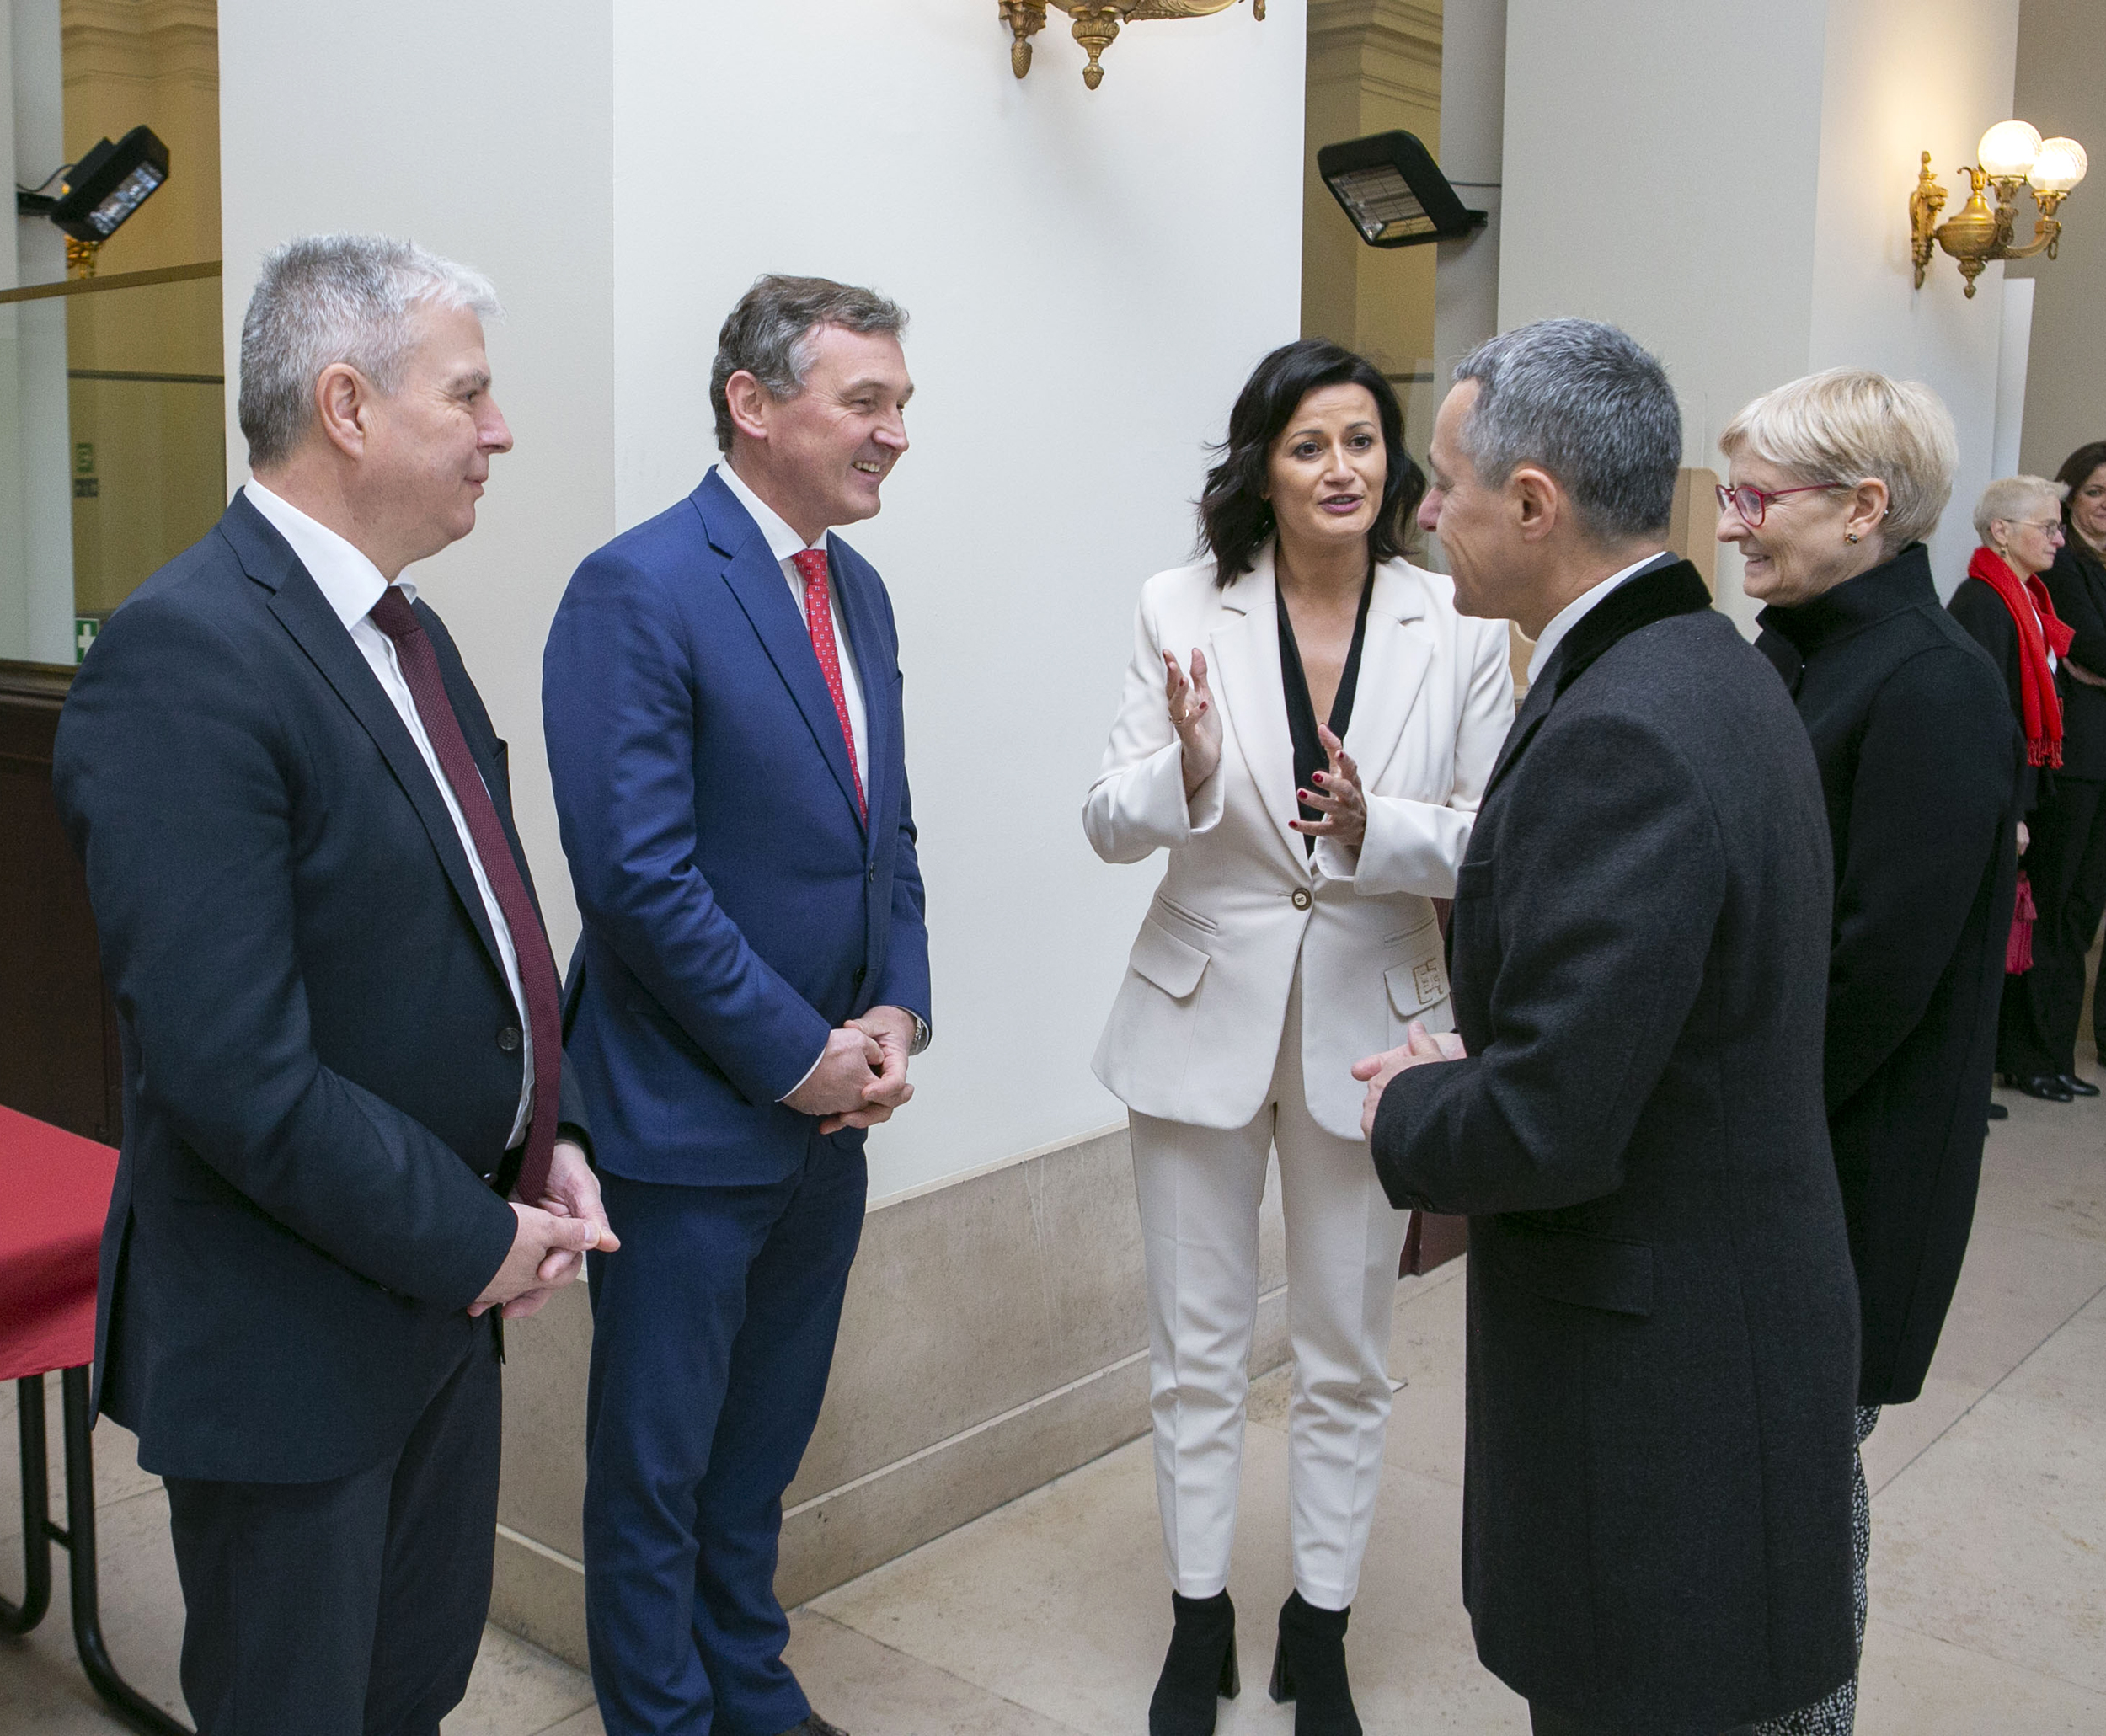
(55, 1187)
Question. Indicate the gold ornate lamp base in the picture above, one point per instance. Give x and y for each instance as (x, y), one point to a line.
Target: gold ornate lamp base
(1974, 235)
(1097, 24)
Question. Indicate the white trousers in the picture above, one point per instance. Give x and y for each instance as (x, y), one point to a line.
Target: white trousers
(1200, 1189)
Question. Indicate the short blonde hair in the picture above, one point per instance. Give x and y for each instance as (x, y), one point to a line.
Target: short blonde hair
(2008, 496)
(1848, 424)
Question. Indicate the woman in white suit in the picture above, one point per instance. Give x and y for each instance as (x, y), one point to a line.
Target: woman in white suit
(1312, 771)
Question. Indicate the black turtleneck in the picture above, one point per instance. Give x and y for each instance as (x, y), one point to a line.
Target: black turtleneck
(1919, 758)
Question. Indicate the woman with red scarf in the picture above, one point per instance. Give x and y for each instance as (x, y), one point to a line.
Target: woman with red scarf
(2003, 603)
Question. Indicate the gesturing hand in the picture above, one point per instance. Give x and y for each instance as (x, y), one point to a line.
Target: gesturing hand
(1195, 718)
(1337, 797)
(1423, 1049)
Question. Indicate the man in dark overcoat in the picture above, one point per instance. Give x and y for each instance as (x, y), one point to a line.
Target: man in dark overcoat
(1663, 1326)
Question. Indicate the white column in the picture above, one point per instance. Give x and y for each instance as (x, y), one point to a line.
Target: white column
(1473, 125)
(36, 544)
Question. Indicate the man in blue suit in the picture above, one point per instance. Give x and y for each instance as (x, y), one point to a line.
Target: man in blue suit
(721, 692)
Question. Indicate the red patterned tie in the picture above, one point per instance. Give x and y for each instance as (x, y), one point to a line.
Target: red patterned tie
(394, 616)
(819, 620)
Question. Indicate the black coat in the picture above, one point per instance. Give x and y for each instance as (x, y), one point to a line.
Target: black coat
(1978, 608)
(322, 1056)
(1663, 1326)
(2077, 584)
(1918, 758)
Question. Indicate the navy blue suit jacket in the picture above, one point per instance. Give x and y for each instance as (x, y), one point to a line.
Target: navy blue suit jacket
(322, 1057)
(737, 906)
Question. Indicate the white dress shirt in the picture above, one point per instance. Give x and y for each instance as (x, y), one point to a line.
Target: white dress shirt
(351, 584)
(783, 543)
(1568, 617)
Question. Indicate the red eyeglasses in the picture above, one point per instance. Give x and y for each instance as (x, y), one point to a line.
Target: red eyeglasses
(1753, 504)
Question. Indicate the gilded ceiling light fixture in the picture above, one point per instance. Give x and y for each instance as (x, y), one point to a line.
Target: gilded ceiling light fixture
(1095, 24)
(2014, 155)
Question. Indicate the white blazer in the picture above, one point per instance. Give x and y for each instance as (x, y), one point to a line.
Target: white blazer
(1196, 1030)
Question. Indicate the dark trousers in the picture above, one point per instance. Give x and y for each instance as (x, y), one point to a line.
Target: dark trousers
(352, 1607)
(2067, 863)
(712, 1333)
(1543, 1722)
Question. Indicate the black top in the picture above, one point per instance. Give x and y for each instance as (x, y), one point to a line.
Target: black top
(1641, 932)
(1981, 610)
(1919, 761)
(1309, 756)
(2077, 584)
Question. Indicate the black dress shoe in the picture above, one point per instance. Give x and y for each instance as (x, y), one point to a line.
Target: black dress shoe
(1199, 1669)
(1998, 1113)
(814, 1725)
(2047, 1087)
(2076, 1087)
(1309, 1669)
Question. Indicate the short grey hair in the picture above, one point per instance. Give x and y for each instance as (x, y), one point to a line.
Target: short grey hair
(2009, 496)
(1587, 403)
(324, 299)
(769, 335)
(1848, 426)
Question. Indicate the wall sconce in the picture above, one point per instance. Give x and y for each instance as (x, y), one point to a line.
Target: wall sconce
(1392, 189)
(1096, 24)
(2012, 155)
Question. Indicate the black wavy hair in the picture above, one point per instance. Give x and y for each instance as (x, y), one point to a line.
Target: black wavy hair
(2076, 470)
(1235, 516)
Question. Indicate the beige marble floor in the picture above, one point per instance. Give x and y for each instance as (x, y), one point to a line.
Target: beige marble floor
(1047, 1617)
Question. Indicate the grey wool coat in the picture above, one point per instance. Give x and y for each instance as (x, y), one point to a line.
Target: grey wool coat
(1663, 1323)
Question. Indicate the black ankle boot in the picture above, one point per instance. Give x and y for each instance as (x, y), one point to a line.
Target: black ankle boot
(1199, 1665)
(1309, 1669)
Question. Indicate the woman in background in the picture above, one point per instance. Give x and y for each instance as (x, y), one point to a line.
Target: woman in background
(1835, 481)
(1306, 729)
(2067, 860)
(2003, 603)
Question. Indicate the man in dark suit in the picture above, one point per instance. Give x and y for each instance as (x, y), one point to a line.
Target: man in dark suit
(339, 1022)
(1663, 1326)
(721, 691)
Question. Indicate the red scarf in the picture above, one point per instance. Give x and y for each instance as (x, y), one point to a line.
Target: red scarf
(2041, 631)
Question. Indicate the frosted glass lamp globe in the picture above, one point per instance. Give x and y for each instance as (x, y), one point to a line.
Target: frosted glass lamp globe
(2059, 166)
(2007, 150)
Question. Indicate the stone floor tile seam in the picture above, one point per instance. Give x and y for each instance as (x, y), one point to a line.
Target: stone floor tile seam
(921, 1663)
(1887, 1619)
(2046, 1337)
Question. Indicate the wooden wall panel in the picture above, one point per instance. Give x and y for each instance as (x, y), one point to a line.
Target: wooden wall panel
(58, 1054)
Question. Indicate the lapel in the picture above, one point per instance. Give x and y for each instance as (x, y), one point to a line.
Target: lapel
(755, 579)
(1393, 666)
(1244, 650)
(1666, 589)
(866, 644)
(302, 611)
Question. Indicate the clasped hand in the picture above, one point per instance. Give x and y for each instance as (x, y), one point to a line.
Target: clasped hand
(861, 1077)
(1423, 1049)
(550, 1237)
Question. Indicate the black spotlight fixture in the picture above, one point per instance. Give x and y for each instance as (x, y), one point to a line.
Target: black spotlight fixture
(100, 191)
(1394, 192)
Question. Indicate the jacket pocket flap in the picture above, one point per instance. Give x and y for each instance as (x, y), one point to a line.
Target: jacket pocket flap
(1415, 985)
(1173, 965)
(1569, 1266)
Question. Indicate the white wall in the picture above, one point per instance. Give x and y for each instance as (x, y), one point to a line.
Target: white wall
(485, 131)
(1091, 275)
(1730, 184)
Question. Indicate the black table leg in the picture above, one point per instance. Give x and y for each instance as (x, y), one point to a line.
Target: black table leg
(119, 1694)
(36, 1513)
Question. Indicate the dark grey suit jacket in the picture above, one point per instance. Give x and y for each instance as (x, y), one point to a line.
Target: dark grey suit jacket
(1663, 1326)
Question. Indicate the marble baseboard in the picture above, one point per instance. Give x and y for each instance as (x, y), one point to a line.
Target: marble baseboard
(994, 1338)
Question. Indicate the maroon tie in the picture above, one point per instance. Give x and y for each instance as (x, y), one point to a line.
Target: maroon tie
(819, 621)
(394, 616)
